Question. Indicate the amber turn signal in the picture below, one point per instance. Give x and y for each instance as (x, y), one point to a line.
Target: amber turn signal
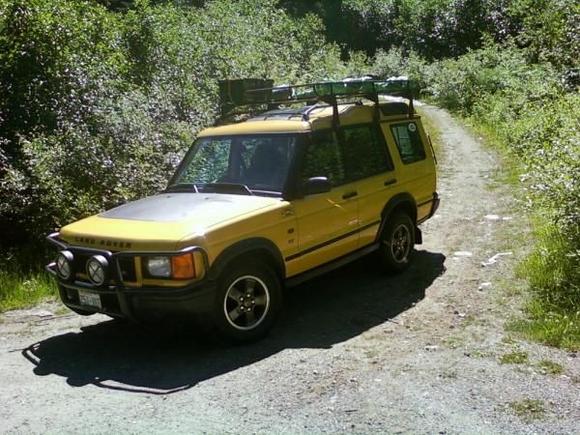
(183, 266)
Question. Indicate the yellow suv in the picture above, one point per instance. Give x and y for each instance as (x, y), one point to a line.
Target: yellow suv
(259, 205)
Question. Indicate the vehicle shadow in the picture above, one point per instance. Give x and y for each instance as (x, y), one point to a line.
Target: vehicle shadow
(318, 314)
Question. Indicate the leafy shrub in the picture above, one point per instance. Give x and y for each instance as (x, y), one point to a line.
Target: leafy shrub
(101, 105)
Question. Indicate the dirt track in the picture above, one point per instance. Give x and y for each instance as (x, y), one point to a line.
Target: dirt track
(355, 351)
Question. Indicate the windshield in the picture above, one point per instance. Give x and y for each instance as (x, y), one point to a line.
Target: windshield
(250, 164)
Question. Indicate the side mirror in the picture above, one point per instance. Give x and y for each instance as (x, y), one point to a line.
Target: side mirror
(316, 185)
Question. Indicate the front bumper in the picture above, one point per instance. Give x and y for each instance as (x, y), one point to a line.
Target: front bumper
(136, 303)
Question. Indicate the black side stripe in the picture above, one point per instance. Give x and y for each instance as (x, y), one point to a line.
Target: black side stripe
(331, 241)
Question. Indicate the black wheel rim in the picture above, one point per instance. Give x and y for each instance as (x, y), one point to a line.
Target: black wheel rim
(400, 243)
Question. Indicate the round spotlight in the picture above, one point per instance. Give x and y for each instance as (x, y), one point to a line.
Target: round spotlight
(97, 268)
(64, 265)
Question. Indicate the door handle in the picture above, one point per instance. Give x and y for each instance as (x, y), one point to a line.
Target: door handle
(391, 181)
(349, 195)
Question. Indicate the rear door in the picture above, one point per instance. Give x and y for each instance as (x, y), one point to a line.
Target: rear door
(369, 165)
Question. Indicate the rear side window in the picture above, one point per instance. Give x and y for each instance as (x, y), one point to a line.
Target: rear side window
(324, 159)
(408, 142)
(365, 152)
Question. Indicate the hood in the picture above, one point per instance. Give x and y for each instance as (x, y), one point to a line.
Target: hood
(161, 221)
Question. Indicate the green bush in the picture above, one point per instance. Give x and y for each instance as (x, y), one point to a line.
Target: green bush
(101, 105)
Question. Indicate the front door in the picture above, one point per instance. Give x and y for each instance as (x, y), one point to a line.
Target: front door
(327, 222)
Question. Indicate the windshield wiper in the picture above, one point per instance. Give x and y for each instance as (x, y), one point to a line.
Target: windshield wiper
(227, 188)
(182, 187)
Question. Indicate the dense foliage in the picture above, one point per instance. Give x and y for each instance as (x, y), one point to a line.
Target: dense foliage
(98, 106)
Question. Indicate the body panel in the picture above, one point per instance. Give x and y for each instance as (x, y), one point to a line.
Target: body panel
(148, 225)
(323, 218)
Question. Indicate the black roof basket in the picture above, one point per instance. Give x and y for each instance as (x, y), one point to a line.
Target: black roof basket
(235, 93)
(251, 92)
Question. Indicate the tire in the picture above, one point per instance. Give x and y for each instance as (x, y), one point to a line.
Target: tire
(248, 300)
(397, 242)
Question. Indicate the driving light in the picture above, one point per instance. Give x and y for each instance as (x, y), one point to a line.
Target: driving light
(97, 268)
(64, 265)
(159, 266)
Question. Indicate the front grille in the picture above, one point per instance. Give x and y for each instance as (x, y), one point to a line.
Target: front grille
(80, 265)
(128, 272)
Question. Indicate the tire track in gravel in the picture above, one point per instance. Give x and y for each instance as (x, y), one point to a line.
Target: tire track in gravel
(355, 351)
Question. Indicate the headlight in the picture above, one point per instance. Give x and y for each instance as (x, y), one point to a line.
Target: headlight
(64, 265)
(159, 266)
(176, 266)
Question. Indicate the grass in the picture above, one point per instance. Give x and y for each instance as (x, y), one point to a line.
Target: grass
(550, 367)
(515, 357)
(511, 168)
(552, 275)
(528, 409)
(23, 290)
(21, 286)
(554, 309)
(550, 326)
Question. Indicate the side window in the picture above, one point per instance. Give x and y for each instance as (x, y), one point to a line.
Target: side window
(365, 152)
(323, 159)
(408, 142)
(265, 161)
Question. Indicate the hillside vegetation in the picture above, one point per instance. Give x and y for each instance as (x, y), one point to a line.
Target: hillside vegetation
(98, 101)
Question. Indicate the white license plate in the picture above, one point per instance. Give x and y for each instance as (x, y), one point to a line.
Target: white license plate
(90, 299)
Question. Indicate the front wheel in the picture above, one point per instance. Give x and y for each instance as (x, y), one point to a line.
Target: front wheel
(397, 242)
(247, 302)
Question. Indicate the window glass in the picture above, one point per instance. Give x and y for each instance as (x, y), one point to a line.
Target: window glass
(408, 142)
(323, 159)
(365, 152)
(259, 162)
(211, 162)
(265, 162)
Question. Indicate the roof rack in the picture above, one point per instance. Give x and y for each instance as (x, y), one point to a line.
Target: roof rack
(252, 92)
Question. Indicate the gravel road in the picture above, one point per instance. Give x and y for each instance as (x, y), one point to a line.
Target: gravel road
(355, 351)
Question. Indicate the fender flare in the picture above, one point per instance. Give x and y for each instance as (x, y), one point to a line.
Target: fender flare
(260, 245)
(402, 200)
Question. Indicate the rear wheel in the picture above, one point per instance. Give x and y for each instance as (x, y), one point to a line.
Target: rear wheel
(397, 242)
(247, 302)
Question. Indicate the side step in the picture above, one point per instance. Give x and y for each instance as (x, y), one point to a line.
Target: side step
(328, 267)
